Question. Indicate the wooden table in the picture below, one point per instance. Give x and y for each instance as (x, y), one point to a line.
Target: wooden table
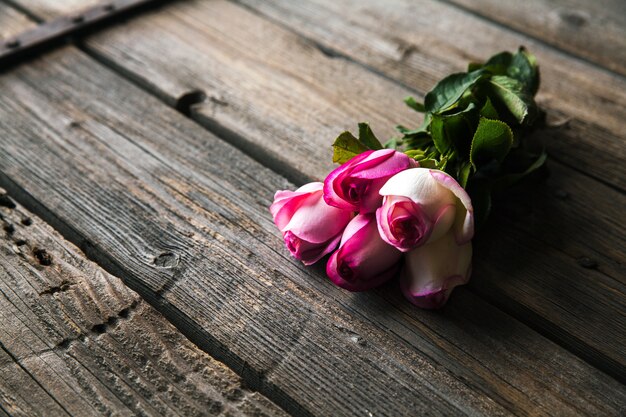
(140, 270)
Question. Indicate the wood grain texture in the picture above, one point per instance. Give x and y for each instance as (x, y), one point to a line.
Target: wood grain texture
(594, 30)
(49, 9)
(182, 217)
(12, 22)
(75, 340)
(283, 100)
(420, 42)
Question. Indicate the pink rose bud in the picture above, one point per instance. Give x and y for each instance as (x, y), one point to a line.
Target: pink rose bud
(311, 228)
(355, 185)
(420, 205)
(428, 213)
(363, 260)
(432, 271)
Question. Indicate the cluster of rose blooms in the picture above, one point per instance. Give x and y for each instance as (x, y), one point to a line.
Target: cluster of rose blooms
(379, 214)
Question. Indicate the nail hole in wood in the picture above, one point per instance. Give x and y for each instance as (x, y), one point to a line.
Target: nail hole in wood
(575, 18)
(124, 313)
(185, 103)
(42, 256)
(587, 263)
(109, 7)
(27, 221)
(78, 19)
(64, 344)
(99, 328)
(13, 43)
(5, 201)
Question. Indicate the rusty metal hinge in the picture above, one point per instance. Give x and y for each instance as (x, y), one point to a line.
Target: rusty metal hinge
(60, 27)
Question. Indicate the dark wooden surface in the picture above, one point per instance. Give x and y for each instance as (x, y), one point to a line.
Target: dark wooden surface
(92, 142)
(263, 119)
(594, 30)
(74, 340)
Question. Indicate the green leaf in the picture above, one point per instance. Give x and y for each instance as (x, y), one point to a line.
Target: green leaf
(524, 69)
(393, 143)
(418, 140)
(454, 130)
(473, 66)
(412, 103)
(448, 91)
(346, 147)
(367, 137)
(428, 163)
(511, 93)
(492, 140)
(521, 66)
(488, 110)
(440, 137)
(416, 154)
(499, 64)
(464, 174)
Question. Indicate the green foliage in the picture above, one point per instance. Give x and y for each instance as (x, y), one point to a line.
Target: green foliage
(512, 94)
(418, 107)
(367, 137)
(488, 110)
(475, 122)
(346, 146)
(473, 127)
(448, 91)
(492, 140)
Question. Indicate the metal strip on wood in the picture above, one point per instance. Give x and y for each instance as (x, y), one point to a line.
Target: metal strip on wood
(56, 29)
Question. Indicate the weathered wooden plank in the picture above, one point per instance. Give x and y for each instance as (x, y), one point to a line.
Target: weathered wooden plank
(182, 216)
(394, 48)
(19, 393)
(595, 30)
(75, 341)
(283, 100)
(421, 42)
(47, 9)
(12, 22)
(47, 33)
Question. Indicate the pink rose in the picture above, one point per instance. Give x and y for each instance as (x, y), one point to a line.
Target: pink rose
(427, 213)
(354, 185)
(310, 227)
(420, 205)
(363, 260)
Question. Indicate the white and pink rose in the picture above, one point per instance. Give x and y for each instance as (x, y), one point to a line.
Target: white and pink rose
(374, 211)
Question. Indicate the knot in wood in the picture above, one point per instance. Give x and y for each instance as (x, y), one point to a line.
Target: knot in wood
(166, 260)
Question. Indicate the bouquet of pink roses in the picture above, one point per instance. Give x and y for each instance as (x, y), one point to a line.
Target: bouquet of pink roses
(404, 206)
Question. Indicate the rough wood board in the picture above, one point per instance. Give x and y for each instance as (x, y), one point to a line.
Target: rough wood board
(595, 30)
(49, 9)
(283, 100)
(12, 22)
(75, 341)
(420, 42)
(182, 216)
